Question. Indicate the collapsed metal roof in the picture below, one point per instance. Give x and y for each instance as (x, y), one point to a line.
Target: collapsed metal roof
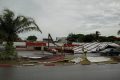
(92, 47)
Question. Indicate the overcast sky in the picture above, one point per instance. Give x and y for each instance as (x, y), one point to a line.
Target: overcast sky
(61, 17)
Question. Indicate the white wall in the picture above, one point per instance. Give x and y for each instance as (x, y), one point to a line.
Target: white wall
(17, 43)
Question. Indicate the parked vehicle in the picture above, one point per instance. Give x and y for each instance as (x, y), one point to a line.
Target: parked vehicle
(110, 52)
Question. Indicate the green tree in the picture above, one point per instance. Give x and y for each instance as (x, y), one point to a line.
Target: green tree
(32, 38)
(111, 38)
(97, 34)
(11, 26)
(71, 38)
(89, 38)
(79, 37)
(75, 37)
(118, 32)
(103, 39)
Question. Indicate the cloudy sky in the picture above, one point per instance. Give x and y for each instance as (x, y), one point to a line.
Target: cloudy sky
(61, 17)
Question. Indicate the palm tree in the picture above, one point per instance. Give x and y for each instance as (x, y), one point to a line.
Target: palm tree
(118, 32)
(97, 34)
(11, 26)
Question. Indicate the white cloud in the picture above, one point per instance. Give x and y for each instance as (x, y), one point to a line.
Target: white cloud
(61, 17)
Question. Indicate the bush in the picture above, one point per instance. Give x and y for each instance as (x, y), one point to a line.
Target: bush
(9, 53)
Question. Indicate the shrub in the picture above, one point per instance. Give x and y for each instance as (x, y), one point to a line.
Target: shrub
(9, 53)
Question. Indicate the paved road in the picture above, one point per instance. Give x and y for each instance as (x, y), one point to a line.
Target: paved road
(69, 72)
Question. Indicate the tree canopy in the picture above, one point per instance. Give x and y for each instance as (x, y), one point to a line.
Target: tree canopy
(32, 38)
(118, 32)
(90, 38)
(10, 26)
